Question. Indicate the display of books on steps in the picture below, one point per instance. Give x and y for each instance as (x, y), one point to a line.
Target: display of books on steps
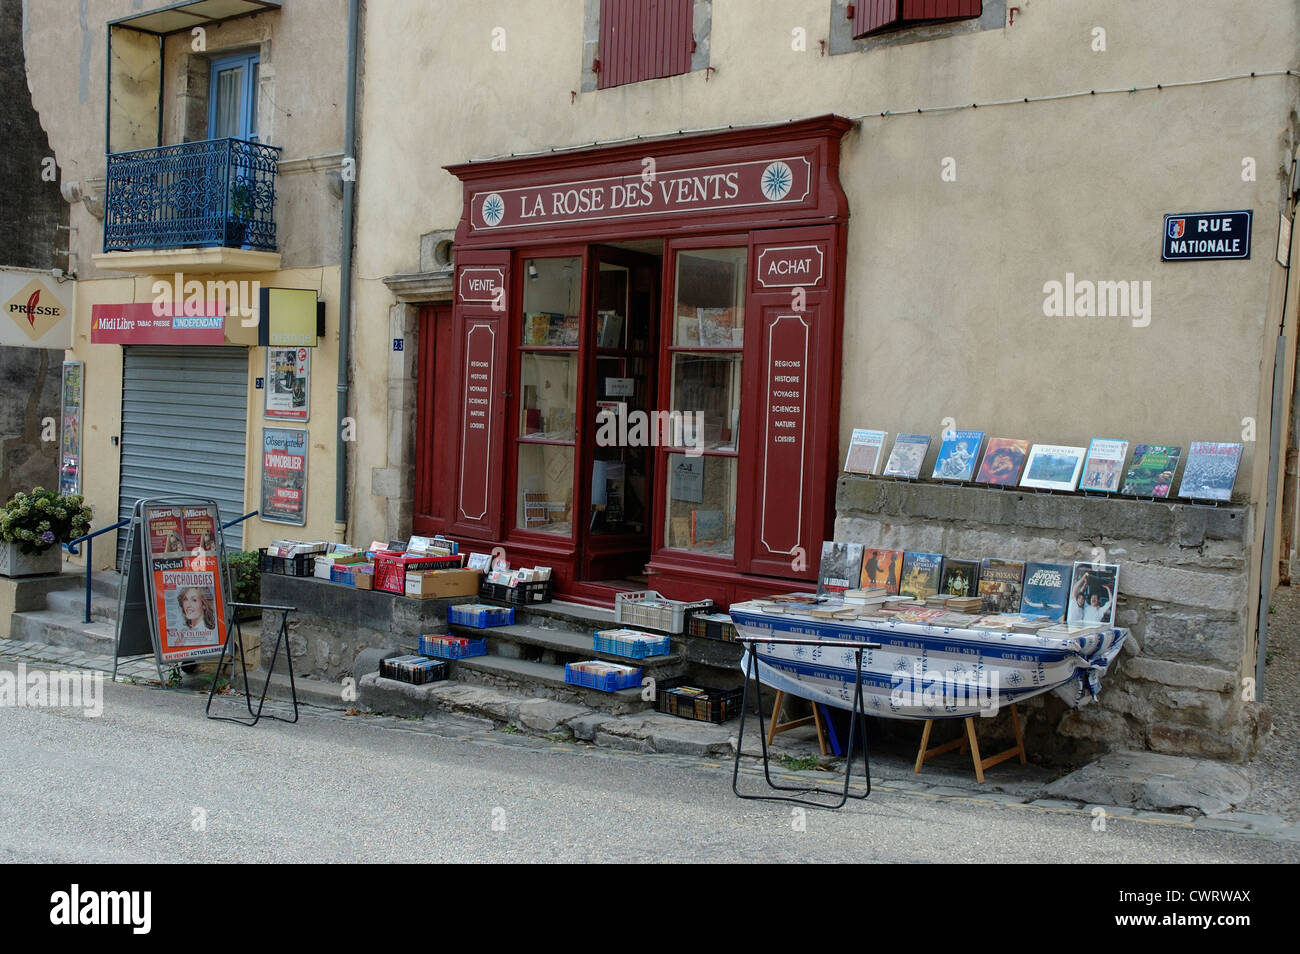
(631, 643)
(417, 670)
(451, 647)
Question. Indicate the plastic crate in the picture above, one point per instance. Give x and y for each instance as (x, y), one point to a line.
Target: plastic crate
(711, 626)
(451, 647)
(304, 564)
(390, 568)
(480, 615)
(417, 670)
(537, 591)
(700, 703)
(630, 643)
(607, 677)
(648, 608)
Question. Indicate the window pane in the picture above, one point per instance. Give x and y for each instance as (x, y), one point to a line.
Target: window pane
(229, 92)
(706, 394)
(710, 307)
(611, 307)
(545, 488)
(252, 101)
(701, 511)
(552, 296)
(548, 390)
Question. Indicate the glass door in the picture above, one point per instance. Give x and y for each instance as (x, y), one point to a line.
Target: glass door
(620, 402)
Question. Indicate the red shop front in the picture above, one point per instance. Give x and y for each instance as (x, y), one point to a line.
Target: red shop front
(638, 381)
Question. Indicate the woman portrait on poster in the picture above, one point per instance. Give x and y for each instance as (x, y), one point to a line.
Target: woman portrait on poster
(197, 610)
(206, 543)
(172, 543)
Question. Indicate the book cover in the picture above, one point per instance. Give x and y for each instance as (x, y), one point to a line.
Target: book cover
(864, 451)
(921, 575)
(840, 566)
(957, 455)
(1211, 471)
(681, 532)
(1092, 593)
(907, 456)
(1046, 590)
(706, 527)
(1003, 461)
(882, 568)
(1000, 585)
(1104, 466)
(715, 327)
(1053, 467)
(611, 329)
(960, 577)
(1152, 472)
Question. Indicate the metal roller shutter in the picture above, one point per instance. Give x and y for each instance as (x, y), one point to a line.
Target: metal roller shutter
(184, 428)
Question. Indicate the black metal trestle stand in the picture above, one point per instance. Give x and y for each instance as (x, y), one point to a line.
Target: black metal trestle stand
(237, 640)
(857, 725)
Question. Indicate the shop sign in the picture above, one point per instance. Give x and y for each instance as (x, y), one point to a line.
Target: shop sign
(786, 400)
(1201, 236)
(186, 591)
(288, 384)
(147, 323)
(289, 318)
(790, 266)
(284, 475)
(646, 190)
(73, 393)
(37, 314)
(481, 284)
(476, 428)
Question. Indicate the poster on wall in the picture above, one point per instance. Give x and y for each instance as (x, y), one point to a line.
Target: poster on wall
(284, 475)
(74, 388)
(185, 579)
(288, 384)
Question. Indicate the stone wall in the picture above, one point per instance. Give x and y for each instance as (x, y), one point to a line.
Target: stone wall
(1184, 596)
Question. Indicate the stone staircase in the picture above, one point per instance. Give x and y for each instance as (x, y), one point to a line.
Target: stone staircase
(58, 620)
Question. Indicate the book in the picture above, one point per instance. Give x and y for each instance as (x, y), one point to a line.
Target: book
(1104, 465)
(1066, 630)
(865, 448)
(1003, 460)
(1152, 472)
(1046, 590)
(611, 330)
(715, 327)
(840, 566)
(959, 577)
(1000, 585)
(908, 455)
(957, 455)
(1053, 467)
(921, 574)
(964, 604)
(1210, 472)
(536, 327)
(706, 527)
(681, 532)
(882, 568)
(1093, 590)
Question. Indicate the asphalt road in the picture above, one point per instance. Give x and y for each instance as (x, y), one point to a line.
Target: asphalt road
(152, 780)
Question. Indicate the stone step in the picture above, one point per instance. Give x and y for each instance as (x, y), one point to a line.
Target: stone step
(53, 628)
(312, 692)
(557, 646)
(72, 603)
(560, 615)
(543, 680)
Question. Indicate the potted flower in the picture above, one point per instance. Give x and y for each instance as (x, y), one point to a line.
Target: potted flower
(241, 214)
(33, 525)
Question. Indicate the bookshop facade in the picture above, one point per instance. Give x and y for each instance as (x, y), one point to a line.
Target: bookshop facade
(640, 368)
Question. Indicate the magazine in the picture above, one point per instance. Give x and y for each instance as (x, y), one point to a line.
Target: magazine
(1053, 467)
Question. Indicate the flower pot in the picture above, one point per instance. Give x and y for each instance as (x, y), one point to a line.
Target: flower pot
(13, 562)
(236, 229)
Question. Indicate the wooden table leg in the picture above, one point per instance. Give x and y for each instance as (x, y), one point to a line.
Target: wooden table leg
(776, 716)
(1020, 738)
(974, 749)
(925, 740)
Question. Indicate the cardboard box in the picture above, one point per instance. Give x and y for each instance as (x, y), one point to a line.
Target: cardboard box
(364, 580)
(436, 584)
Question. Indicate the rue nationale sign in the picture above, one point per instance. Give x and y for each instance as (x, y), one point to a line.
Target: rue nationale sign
(1202, 236)
(646, 190)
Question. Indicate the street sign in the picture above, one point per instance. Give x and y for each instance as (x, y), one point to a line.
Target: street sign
(1203, 236)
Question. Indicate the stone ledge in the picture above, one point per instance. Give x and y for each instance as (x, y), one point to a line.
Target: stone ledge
(1180, 674)
(1117, 517)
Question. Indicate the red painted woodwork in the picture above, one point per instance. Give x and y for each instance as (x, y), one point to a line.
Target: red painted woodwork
(643, 39)
(434, 392)
(480, 330)
(870, 16)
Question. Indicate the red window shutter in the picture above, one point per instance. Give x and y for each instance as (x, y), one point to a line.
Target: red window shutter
(917, 10)
(871, 15)
(643, 39)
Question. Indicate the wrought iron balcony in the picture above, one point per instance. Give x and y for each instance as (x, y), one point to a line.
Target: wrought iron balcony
(219, 192)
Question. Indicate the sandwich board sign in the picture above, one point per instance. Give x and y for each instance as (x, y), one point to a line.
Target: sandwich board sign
(175, 588)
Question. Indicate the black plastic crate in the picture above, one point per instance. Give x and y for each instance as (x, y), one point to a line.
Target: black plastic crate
(417, 670)
(700, 703)
(700, 624)
(537, 591)
(304, 564)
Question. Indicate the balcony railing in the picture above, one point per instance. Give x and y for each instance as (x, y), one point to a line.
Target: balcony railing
(220, 192)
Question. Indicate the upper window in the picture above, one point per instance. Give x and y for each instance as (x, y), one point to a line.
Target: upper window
(643, 39)
(878, 16)
(232, 98)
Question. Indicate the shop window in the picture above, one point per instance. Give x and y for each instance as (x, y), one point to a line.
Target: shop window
(548, 394)
(878, 16)
(643, 39)
(704, 412)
